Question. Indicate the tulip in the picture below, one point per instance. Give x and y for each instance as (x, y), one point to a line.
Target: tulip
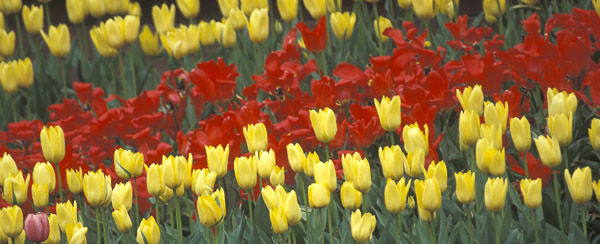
(439, 172)
(273, 198)
(128, 164)
(318, 195)
(76, 233)
(8, 167)
(593, 132)
(96, 8)
(208, 38)
(66, 213)
(389, 112)
(309, 167)
(43, 173)
(334, 6)
(15, 188)
(122, 220)
(415, 160)
(148, 232)
(347, 164)
(405, 4)
(278, 218)
(465, 187)
(54, 232)
(53, 143)
(532, 192)
(325, 174)
(7, 43)
(174, 169)
(493, 9)
(324, 124)
(288, 9)
(130, 29)
(258, 25)
(256, 137)
(561, 102)
(471, 98)
(217, 159)
(520, 134)
(238, 19)
(351, 198)
(414, 138)
(342, 25)
(12, 221)
(37, 227)
(380, 25)
(99, 38)
(493, 134)
(203, 181)
(164, 18)
(292, 208)
(595, 3)
(496, 114)
(468, 127)
(9, 77)
(168, 193)
(58, 40)
(25, 70)
(395, 195)
(211, 209)
(549, 150)
(12, 6)
(596, 186)
(245, 172)
(430, 193)
(114, 35)
(362, 226)
(580, 184)
(247, 6)
(77, 10)
(20, 238)
(134, 9)
(2, 27)
(225, 33)
(425, 9)
(392, 162)
(362, 175)
(189, 8)
(448, 7)
(114, 7)
(410, 201)
(33, 18)
(226, 5)
(560, 127)
(277, 176)
(39, 194)
(155, 186)
(296, 157)
(495, 194)
(316, 8)
(94, 188)
(122, 196)
(149, 42)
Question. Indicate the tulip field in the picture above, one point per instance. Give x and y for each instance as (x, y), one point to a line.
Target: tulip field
(300, 121)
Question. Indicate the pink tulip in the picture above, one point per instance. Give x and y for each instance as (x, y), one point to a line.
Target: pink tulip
(37, 227)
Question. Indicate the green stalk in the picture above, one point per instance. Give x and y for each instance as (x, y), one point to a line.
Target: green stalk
(18, 24)
(189, 210)
(98, 230)
(171, 214)
(326, 152)
(557, 199)
(62, 65)
(60, 194)
(178, 217)
(526, 167)
(14, 109)
(250, 209)
(583, 220)
(399, 225)
(123, 80)
(216, 234)
(133, 78)
(378, 34)
(324, 64)
(468, 218)
(535, 229)
(329, 222)
(47, 10)
(104, 225)
(156, 209)
(431, 233)
(114, 79)
(303, 189)
(496, 228)
(137, 206)
(391, 138)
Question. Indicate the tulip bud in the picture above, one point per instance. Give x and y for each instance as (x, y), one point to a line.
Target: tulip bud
(256, 137)
(16, 188)
(37, 227)
(134, 9)
(278, 218)
(438, 171)
(292, 208)
(532, 192)
(155, 186)
(277, 176)
(25, 69)
(148, 232)
(164, 18)
(33, 18)
(66, 213)
(217, 159)
(392, 162)
(296, 157)
(414, 138)
(237, 19)
(415, 161)
(593, 132)
(496, 114)
(265, 161)
(174, 169)
(520, 134)
(495, 194)
(96, 8)
(12, 6)
(208, 37)
(53, 143)
(203, 181)
(493, 9)
(490, 160)
(7, 43)
(380, 25)
(113, 32)
(258, 25)
(39, 194)
(316, 8)
(77, 10)
(580, 184)
(211, 209)
(2, 27)
(58, 41)
(114, 7)
(325, 174)
(448, 7)
(560, 127)
(431, 195)
(8, 167)
(128, 164)
(288, 9)
(76, 233)
(130, 29)
(189, 8)
(324, 124)
(149, 42)
(362, 226)
(273, 198)
(465, 187)
(43, 173)
(596, 186)
(12, 221)
(549, 150)
(395, 195)
(351, 198)
(94, 188)
(561, 102)
(309, 167)
(342, 25)
(468, 127)
(471, 98)
(9, 77)
(122, 196)
(226, 5)
(389, 112)
(245, 172)
(425, 9)
(100, 40)
(318, 195)
(122, 219)
(54, 232)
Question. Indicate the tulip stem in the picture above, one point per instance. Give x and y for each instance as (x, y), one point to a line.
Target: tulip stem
(250, 209)
(14, 109)
(557, 199)
(391, 138)
(60, 194)
(189, 210)
(62, 67)
(468, 218)
(156, 209)
(583, 220)
(431, 232)
(104, 225)
(326, 152)
(399, 224)
(329, 223)
(378, 29)
(133, 79)
(303, 189)
(18, 24)
(526, 167)
(534, 223)
(123, 81)
(47, 13)
(324, 63)
(496, 228)
(98, 230)
(137, 206)
(178, 218)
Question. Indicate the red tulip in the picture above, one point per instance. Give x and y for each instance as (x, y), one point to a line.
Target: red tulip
(316, 39)
(37, 227)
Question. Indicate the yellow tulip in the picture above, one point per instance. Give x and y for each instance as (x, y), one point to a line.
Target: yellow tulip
(164, 18)
(168, 193)
(392, 162)
(9, 77)
(596, 186)
(39, 195)
(122, 196)
(43, 173)
(277, 176)
(448, 7)
(468, 127)
(96, 8)
(114, 35)
(296, 157)
(580, 184)
(12, 6)
(439, 172)
(100, 40)
(94, 188)
(58, 40)
(273, 198)
(155, 186)
(316, 8)
(237, 19)
(414, 138)
(122, 220)
(226, 5)
(54, 233)
(134, 9)
(415, 161)
(16, 188)
(493, 134)
(351, 198)
(309, 167)
(278, 218)
(430, 192)
(425, 9)
(292, 208)
(342, 25)
(33, 18)
(130, 28)
(495, 194)
(2, 27)
(549, 151)
(203, 181)
(395, 195)
(424, 215)
(496, 114)
(594, 2)
(211, 209)
(362, 226)
(593, 133)
(114, 7)
(560, 127)
(561, 102)
(465, 187)
(347, 164)
(12, 221)
(256, 137)
(493, 9)
(245, 172)
(380, 25)
(189, 8)
(76, 233)
(8, 167)
(175, 43)
(288, 9)
(405, 4)
(532, 192)
(325, 174)
(75, 180)
(410, 201)
(66, 214)
(25, 70)
(318, 195)
(490, 160)
(324, 124)
(334, 6)
(206, 28)
(77, 10)
(471, 98)
(247, 6)
(7, 43)
(217, 159)
(149, 42)
(174, 169)
(388, 112)
(128, 164)
(258, 25)
(148, 232)
(520, 133)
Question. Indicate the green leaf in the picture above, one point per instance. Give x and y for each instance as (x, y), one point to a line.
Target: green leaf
(576, 235)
